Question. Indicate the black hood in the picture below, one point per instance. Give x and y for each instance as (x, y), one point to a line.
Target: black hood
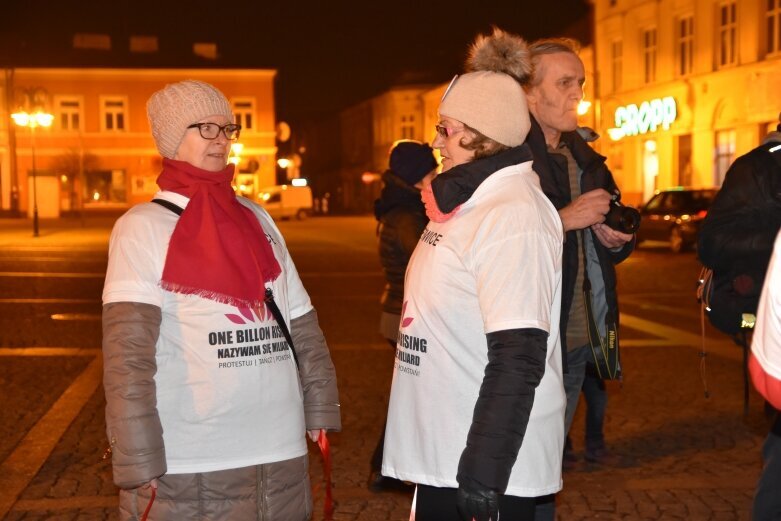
(457, 185)
(397, 193)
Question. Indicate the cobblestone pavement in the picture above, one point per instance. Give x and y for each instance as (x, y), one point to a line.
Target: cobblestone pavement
(678, 454)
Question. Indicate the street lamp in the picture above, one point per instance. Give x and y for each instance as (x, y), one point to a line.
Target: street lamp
(236, 150)
(284, 162)
(34, 120)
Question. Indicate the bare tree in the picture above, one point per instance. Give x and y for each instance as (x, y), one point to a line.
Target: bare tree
(73, 166)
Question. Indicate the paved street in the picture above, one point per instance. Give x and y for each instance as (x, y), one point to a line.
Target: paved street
(681, 455)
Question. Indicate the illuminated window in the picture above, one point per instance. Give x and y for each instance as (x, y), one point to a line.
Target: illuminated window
(244, 113)
(205, 50)
(685, 168)
(649, 55)
(143, 44)
(408, 126)
(773, 26)
(104, 186)
(650, 168)
(723, 155)
(68, 115)
(617, 63)
(616, 157)
(92, 41)
(685, 46)
(727, 18)
(113, 117)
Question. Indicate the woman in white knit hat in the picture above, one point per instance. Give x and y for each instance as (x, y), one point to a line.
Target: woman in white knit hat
(477, 403)
(205, 411)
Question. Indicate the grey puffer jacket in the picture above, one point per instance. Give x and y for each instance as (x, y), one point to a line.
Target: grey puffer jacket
(270, 492)
(130, 332)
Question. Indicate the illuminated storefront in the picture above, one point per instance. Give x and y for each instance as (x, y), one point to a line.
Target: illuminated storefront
(684, 87)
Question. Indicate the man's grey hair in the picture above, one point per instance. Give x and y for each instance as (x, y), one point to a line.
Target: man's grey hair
(544, 46)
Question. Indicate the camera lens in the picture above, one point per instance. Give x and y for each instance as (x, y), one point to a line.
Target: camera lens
(622, 218)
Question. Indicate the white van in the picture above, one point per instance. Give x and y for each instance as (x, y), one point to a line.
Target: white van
(286, 201)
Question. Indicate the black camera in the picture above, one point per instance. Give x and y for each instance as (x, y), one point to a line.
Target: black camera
(622, 218)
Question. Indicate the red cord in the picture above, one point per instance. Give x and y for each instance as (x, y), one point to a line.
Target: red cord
(325, 450)
(149, 505)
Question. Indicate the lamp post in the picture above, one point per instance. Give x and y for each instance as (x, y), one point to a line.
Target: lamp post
(33, 121)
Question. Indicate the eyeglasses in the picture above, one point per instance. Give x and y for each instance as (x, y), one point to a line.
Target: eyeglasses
(444, 131)
(212, 130)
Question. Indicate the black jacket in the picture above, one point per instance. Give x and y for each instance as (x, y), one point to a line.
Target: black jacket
(554, 180)
(738, 233)
(401, 219)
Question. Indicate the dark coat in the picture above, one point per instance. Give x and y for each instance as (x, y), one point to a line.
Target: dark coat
(738, 233)
(401, 219)
(736, 237)
(554, 180)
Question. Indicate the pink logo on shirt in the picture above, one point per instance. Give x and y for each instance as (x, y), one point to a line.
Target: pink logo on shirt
(405, 321)
(261, 312)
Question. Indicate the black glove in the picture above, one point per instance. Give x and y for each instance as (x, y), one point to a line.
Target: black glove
(475, 502)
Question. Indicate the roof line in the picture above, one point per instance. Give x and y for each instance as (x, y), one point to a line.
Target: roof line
(147, 72)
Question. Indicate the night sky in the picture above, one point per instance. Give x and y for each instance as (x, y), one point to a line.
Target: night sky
(329, 54)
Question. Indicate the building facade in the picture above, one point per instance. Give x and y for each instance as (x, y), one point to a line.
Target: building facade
(683, 87)
(98, 154)
(368, 131)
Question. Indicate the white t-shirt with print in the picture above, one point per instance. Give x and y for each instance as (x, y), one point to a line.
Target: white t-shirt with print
(495, 265)
(228, 392)
(766, 343)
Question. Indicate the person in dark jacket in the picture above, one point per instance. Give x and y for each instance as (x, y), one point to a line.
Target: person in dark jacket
(736, 241)
(580, 186)
(736, 238)
(401, 218)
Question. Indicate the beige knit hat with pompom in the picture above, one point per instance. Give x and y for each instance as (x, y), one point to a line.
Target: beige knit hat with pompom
(493, 103)
(177, 106)
(489, 97)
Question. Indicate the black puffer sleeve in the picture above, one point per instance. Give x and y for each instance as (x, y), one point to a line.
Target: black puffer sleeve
(516, 364)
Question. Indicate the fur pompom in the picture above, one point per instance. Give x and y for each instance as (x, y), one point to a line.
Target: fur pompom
(500, 52)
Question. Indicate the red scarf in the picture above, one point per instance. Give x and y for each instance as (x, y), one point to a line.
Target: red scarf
(218, 249)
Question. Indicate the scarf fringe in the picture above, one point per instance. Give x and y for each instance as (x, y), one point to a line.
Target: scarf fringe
(210, 295)
(218, 249)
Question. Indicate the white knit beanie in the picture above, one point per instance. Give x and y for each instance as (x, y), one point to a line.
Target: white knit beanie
(493, 103)
(177, 106)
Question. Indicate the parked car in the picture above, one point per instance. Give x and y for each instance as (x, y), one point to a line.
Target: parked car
(286, 201)
(675, 215)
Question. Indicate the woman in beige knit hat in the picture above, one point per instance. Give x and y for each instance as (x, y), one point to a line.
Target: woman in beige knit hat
(476, 410)
(205, 411)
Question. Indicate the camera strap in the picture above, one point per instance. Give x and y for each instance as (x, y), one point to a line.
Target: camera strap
(605, 350)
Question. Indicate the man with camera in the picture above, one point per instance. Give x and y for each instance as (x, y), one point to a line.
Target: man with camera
(580, 186)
